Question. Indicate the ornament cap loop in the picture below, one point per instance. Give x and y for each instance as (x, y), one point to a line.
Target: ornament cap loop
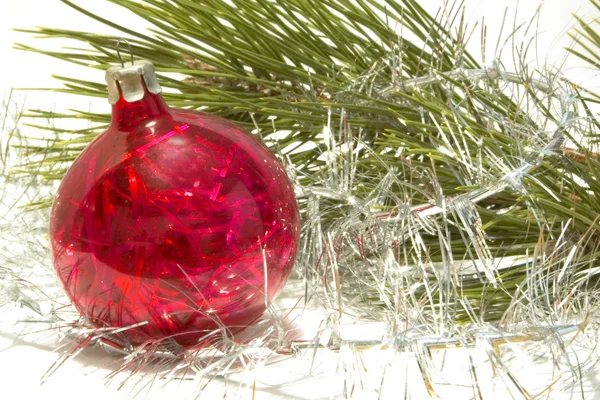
(128, 81)
(119, 53)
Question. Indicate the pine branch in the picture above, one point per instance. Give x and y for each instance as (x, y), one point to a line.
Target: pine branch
(434, 119)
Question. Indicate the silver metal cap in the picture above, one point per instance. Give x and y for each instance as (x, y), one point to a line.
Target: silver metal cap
(127, 81)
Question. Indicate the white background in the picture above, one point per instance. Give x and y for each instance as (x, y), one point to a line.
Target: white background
(21, 366)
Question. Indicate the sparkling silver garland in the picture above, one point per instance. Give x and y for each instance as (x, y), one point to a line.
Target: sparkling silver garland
(353, 300)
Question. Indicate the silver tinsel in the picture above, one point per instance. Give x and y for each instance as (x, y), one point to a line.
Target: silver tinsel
(367, 312)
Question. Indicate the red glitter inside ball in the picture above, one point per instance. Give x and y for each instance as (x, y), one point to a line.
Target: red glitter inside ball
(171, 219)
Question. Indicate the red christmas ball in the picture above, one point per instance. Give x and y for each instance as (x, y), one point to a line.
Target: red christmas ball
(177, 221)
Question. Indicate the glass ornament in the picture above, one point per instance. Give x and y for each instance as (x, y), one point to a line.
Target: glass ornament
(172, 223)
